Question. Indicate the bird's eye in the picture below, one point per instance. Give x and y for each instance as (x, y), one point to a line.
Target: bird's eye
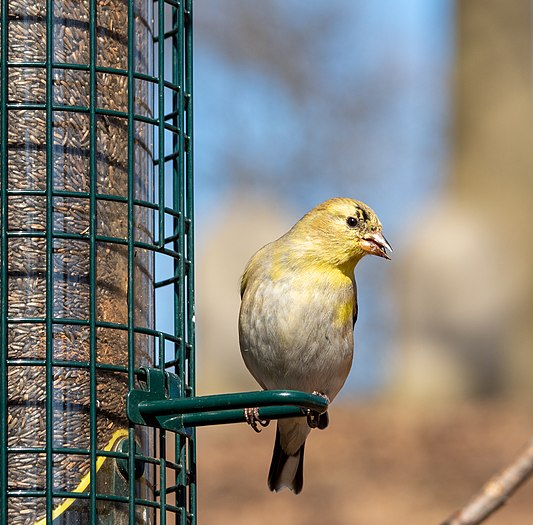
(352, 222)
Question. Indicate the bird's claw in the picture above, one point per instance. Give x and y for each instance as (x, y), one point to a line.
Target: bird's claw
(314, 419)
(251, 415)
(317, 393)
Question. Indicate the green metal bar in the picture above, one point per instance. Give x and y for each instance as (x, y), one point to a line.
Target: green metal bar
(37, 193)
(100, 238)
(49, 260)
(93, 443)
(173, 32)
(180, 130)
(171, 156)
(171, 115)
(98, 324)
(85, 109)
(84, 67)
(173, 213)
(131, 250)
(83, 195)
(178, 50)
(161, 129)
(222, 402)
(75, 495)
(173, 3)
(159, 404)
(84, 365)
(165, 282)
(163, 478)
(189, 172)
(171, 127)
(184, 415)
(27, 493)
(74, 451)
(3, 264)
(24, 65)
(237, 416)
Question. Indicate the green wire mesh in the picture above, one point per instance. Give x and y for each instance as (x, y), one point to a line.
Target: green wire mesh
(96, 260)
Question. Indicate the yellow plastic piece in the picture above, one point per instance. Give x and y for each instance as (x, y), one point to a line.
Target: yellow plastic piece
(85, 481)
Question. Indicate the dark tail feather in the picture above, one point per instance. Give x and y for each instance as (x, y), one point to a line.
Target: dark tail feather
(285, 470)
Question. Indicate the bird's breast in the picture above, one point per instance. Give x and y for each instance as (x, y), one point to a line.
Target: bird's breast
(296, 331)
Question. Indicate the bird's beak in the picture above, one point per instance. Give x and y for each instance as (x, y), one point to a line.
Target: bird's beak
(376, 244)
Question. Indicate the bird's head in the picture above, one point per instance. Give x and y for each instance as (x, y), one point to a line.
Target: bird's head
(341, 231)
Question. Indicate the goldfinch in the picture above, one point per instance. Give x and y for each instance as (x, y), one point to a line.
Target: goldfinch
(298, 310)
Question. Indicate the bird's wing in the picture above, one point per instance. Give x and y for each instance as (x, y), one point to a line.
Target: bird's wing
(258, 261)
(355, 305)
(244, 281)
(246, 275)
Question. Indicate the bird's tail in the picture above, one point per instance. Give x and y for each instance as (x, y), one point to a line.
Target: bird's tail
(286, 470)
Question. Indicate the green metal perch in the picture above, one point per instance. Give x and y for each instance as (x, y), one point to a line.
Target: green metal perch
(159, 405)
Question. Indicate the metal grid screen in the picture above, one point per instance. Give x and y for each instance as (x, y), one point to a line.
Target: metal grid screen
(96, 261)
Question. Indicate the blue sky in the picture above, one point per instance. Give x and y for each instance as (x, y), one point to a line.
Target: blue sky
(239, 101)
(408, 144)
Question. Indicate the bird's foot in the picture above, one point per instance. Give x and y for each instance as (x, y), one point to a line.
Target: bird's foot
(317, 393)
(251, 415)
(316, 420)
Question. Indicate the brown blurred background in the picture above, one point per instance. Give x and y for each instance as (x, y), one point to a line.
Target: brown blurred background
(426, 113)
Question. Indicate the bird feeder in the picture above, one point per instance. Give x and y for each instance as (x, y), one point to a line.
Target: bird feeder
(95, 207)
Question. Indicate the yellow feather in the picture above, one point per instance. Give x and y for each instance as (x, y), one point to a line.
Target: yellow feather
(344, 314)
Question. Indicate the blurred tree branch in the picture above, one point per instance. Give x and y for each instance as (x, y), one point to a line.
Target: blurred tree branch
(495, 493)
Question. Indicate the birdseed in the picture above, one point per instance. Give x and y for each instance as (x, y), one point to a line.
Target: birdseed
(71, 266)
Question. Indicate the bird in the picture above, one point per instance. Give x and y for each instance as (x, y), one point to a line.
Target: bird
(297, 315)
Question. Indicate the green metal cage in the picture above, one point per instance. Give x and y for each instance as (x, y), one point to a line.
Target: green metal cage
(96, 267)
(96, 235)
